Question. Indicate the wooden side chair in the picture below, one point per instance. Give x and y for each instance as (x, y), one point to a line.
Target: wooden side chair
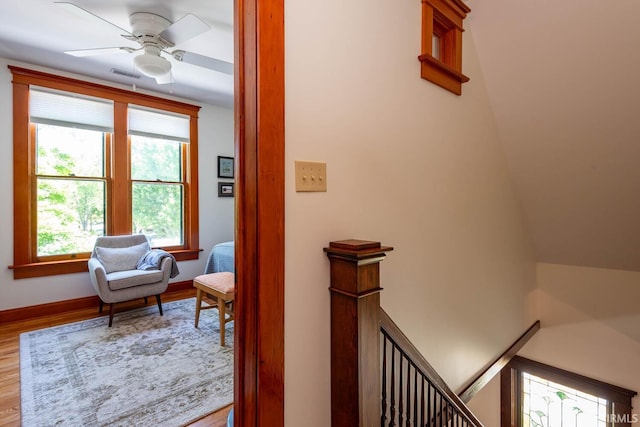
(220, 289)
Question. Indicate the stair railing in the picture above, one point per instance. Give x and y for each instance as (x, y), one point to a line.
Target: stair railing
(413, 393)
(377, 375)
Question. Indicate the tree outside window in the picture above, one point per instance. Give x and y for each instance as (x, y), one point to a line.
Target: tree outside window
(89, 161)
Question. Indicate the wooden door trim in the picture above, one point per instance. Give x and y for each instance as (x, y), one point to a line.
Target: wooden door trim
(259, 150)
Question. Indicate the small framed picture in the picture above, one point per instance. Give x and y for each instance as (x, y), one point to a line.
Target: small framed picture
(225, 167)
(225, 189)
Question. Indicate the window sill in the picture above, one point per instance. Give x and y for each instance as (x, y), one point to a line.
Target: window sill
(52, 268)
(441, 74)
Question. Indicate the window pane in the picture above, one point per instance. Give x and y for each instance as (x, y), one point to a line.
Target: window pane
(435, 46)
(552, 404)
(155, 159)
(158, 212)
(71, 214)
(65, 151)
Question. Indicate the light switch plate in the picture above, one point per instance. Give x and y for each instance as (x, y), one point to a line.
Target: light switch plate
(311, 176)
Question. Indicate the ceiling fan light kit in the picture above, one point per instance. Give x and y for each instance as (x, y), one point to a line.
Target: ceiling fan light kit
(155, 35)
(152, 65)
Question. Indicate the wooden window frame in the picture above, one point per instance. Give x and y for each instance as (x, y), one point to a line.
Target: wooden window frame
(26, 263)
(511, 389)
(443, 18)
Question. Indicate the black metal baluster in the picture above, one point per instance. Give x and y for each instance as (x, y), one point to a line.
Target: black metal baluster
(408, 412)
(415, 396)
(429, 405)
(384, 380)
(400, 392)
(422, 403)
(392, 421)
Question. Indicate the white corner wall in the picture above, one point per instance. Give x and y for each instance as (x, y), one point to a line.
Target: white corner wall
(408, 164)
(216, 214)
(590, 320)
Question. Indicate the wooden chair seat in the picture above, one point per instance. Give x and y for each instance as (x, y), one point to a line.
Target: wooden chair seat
(220, 288)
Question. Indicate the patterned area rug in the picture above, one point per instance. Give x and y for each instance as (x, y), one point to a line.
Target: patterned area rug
(146, 370)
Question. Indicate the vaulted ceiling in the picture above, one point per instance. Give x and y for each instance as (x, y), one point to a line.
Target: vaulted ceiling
(561, 78)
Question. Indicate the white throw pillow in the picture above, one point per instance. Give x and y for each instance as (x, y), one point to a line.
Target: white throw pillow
(121, 259)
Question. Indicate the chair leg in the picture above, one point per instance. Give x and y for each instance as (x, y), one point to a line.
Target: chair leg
(159, 303)
(101, 305)
(198, 303)
(145, 301)
(221, 312)
(110, 314)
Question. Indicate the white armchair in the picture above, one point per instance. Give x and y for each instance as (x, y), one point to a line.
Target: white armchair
(115, 276)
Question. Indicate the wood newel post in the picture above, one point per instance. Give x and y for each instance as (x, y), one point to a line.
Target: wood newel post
(355, 332)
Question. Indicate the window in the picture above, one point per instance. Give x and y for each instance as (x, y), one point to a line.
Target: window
(538, 395)
(157, 178)
(441, 58)
(90, 160)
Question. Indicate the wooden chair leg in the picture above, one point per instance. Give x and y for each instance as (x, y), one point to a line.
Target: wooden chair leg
(221, 312)
(101, 305)
(198, 304)
(145, 301)
(110, 314)
(159, 303)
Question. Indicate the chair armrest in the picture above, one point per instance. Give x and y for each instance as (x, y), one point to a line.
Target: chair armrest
(165, 266)
(98, 276)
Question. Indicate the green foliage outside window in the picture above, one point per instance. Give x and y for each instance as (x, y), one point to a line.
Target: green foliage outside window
(157, 191)
(71, 190)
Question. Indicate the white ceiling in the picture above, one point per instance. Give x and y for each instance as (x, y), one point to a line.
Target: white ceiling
(39, 31)
(562, 77)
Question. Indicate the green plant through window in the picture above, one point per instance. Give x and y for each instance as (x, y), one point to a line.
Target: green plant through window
(549, 404)
(72, 196)
(158, 190)
(71, 189)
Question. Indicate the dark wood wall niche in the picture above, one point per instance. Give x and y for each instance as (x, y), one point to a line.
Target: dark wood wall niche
(441, 51)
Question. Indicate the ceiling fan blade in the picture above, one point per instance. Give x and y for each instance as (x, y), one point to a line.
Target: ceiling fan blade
(166, 79)
(203, 61)
(185, 28)
(77, 10)
(99, 51)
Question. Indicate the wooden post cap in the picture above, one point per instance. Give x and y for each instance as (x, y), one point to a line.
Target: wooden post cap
(357, 249)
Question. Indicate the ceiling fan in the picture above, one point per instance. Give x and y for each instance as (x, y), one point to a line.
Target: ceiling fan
(156, 35)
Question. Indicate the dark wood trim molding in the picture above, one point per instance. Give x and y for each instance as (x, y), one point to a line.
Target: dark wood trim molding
(58, 307)
(355, 331)
(259, 141)
(619, 398)
(27, 263)
(67, 266)
(443, 19)
(494, 369)
(26, 76)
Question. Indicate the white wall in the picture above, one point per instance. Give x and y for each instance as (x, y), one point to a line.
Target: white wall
(590, 321)
(486, 404)
(216, 214)
(408, 164)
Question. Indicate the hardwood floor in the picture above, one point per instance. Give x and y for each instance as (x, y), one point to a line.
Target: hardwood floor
(10, 359)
